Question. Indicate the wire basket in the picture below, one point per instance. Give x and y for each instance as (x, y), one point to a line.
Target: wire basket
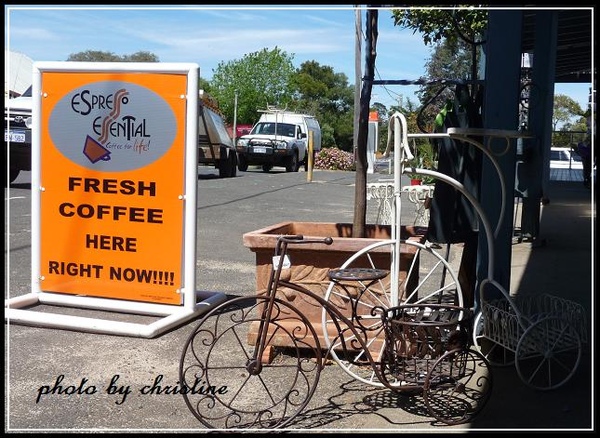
(506, 320)
(417, 335)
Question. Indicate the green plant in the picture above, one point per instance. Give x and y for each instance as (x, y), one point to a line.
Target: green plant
(424, 158)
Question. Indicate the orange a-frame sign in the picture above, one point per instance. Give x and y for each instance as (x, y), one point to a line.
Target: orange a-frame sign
(112, 156)
(113, 203)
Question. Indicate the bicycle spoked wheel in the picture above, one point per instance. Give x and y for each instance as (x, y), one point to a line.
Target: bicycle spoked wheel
(228, 388)
(426, 277)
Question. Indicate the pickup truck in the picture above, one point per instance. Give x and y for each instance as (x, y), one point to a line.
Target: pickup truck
(279, 138)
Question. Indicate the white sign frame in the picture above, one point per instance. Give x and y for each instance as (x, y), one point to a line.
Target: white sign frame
(193, 304)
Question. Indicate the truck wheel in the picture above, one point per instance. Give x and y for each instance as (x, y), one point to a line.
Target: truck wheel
(291, 164)
(267, 167)
(242, 163)
(233, 161)
(225, 168)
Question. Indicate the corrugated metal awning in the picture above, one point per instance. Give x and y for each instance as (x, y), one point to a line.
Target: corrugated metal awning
(573, 47)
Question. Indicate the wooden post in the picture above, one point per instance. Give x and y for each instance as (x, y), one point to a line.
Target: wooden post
(310, 153)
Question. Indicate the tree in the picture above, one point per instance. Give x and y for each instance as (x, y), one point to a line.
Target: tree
(315, 82)
(319, 91)
(447, 62)
(260, 79)
(268, 78)
(203, 84)
(466, 23)
(565, 110)
(360, 187)
(454, 31)
(382, 111)
(456, 35)
(100, 56)
(411, 112)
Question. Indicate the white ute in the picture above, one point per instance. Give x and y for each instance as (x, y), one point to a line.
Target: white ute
(279, 138)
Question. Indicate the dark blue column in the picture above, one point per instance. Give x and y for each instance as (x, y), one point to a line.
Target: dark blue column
(540, 118)
(500, 111)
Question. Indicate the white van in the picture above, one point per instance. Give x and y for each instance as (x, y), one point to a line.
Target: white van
(279, 138)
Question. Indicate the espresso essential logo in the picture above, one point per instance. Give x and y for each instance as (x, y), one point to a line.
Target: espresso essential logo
(112, 126)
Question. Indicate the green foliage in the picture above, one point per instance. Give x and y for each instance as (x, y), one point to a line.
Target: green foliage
(564, 110)
(467, 23)
(568, 137)
(100, 56)
(571, 132)
(425, 158)
(203, 84)
(319, 91)
(142, 56)
(455, 34)
(569, 114)
(446, 62)
(260, 79)
(342, 126)
(327, 136)
(313, 81)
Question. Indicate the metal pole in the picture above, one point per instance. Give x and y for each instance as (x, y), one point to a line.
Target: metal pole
(235, 118)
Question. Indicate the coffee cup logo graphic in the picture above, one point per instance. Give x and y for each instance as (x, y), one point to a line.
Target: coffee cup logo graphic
(112, 126)
(95, 151)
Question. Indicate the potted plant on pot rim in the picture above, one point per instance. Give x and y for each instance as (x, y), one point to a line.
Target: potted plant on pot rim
(424, 158)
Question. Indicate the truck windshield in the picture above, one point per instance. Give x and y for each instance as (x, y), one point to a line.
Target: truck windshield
(284, 129)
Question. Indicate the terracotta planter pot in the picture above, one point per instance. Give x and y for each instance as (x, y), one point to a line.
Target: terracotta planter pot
(312, 262)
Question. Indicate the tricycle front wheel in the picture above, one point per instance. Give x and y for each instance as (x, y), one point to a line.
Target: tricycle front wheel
(457, 386)
(231, 385)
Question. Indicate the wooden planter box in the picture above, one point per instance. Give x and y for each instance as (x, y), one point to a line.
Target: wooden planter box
(311, 262)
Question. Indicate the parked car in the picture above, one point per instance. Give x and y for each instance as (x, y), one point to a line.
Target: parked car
(564, 158)
(279, 138)
(17, 133)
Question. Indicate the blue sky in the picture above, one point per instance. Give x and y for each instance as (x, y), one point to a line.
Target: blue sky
(207, 35)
